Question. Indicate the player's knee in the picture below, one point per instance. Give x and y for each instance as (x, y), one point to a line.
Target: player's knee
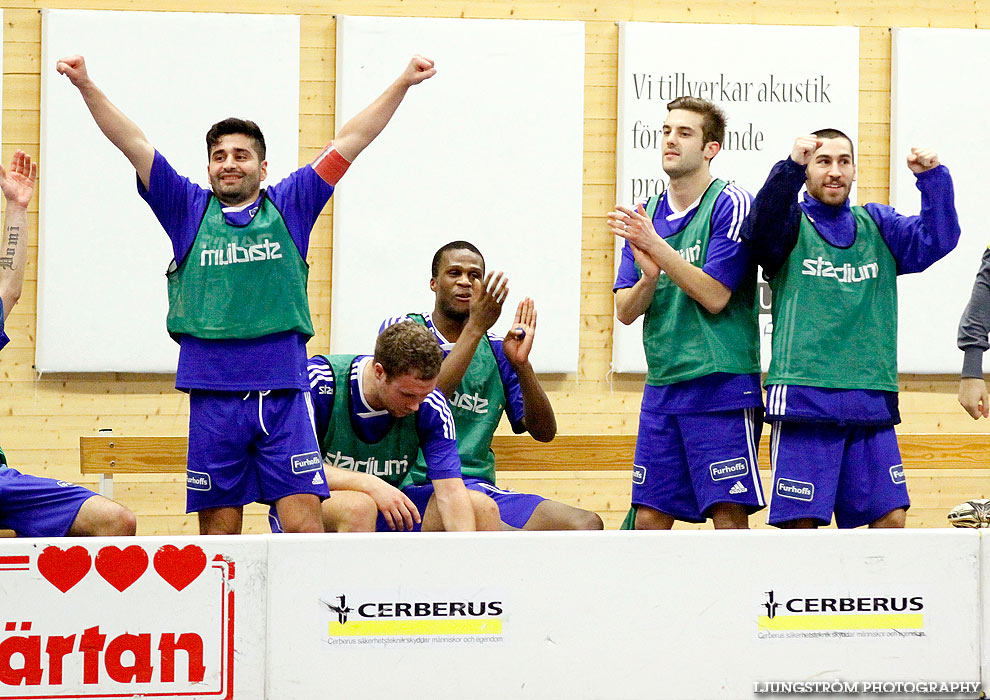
(730, 516)
(486, 515)
(101, 517)
(355, 512)
(650, 519)
(118, 521)
(592, 521)
(126, 522)
(585, 520)
(896, 519)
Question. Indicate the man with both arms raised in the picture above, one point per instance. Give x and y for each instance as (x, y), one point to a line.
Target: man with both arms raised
(832, 384)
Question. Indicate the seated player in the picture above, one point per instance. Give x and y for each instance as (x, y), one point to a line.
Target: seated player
(374, 414)
(483, 377)
(29, 505)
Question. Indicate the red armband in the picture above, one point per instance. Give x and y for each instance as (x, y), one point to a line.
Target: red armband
(330, 165)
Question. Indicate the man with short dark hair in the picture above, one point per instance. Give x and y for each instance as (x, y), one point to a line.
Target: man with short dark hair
(238, 304)
(484, 376)
(832, 384)
(686, 272)
(374, 414)
(33, 506)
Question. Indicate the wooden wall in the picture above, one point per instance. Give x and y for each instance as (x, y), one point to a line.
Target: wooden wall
(42, 418)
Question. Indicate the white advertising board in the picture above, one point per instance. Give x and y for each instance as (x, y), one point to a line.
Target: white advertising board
(155, 617)
(934, 104)
(102, 254)
(490, 151)
(773, 88)
(618, 615)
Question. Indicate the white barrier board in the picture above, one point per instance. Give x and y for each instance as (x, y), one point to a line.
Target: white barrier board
(773, 89)
(159, 617)
(618, 615)
(931, 84)
(490, 151)
(102, 254)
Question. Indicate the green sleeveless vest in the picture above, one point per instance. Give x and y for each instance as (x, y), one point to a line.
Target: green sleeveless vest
(239, 282)
(835, 312)
(477, 406)
(682, 340)
(389, 458)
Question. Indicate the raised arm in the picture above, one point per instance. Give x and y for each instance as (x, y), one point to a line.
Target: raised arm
(771, 229)
(18, 188)
(919, 241)
(538, 413)
(115, 125)
(361, 130)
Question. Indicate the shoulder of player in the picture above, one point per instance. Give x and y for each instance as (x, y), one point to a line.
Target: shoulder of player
(305, 179)
(164, 174)
(319, 371)
(435, 412)
(731, 208)
(392, 320)
(735, 197)
(436, 402)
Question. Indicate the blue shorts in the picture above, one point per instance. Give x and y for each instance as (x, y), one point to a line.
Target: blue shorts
(687, 463)
(251, 446)
(514, 509)
(33, 506)
(818, 469)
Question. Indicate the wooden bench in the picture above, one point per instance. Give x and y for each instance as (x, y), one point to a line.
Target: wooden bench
(593, 471)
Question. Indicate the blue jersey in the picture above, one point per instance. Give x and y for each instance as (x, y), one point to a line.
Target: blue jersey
(916, 242)
(514, 409)
(729, 262)
(235, 365)
(434, 423)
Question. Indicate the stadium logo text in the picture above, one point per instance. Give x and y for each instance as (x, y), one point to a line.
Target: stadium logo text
(470, 402)
(819, 267)
(372, 465)
(233, 253)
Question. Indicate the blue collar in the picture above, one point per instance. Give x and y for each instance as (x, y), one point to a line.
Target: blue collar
(836, 224)
(242, 215)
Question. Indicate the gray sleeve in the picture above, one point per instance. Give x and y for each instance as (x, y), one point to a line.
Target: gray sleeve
(975, 322)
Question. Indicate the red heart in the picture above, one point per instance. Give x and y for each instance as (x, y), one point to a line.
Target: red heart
(121, 568)
(64, 569)
(180, 567)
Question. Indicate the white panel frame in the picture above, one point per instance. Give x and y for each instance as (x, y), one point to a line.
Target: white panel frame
(490, 151)
(102, 254)
(934, 104)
